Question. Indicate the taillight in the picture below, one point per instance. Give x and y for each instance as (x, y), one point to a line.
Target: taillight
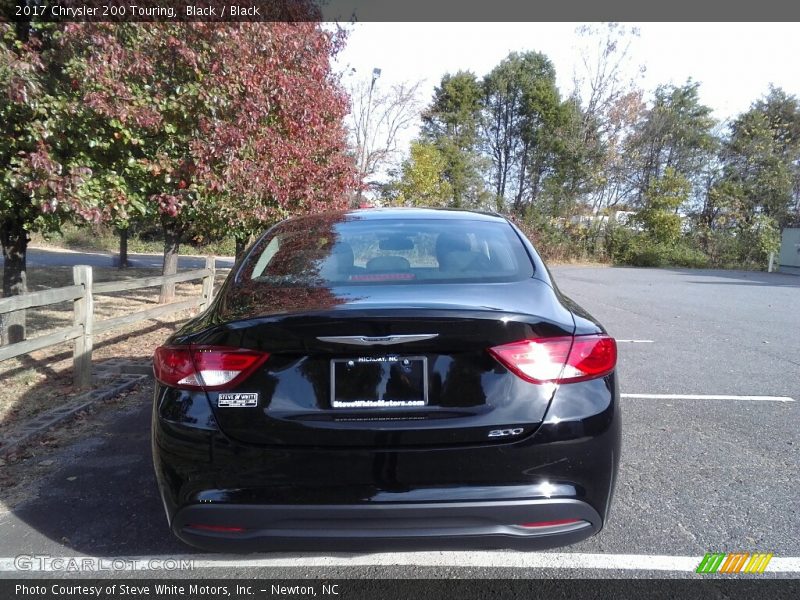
(560, 359)
(205, 367)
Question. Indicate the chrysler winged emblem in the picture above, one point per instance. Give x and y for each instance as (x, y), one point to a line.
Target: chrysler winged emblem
(378, 340)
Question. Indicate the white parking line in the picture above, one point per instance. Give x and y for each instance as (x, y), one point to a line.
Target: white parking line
(635, 341)
(492, 559)
(708, 397)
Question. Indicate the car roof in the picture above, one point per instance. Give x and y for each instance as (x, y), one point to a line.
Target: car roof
(377, 214)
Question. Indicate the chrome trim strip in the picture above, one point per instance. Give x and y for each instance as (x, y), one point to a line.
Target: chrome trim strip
(379, 340)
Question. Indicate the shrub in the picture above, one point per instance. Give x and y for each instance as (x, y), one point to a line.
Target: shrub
(744, 246)
(641, 251)
(623, 245)
(558, 240)
(618, 240)
(682, 255)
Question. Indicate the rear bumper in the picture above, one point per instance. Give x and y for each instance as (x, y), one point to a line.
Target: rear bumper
(238, 528)
(285, 497)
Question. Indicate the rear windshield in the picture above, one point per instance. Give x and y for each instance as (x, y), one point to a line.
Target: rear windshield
(332, 250)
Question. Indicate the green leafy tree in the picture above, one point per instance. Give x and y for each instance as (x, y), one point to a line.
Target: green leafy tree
(577, 151)
(659, 217)
(762, 158)
(423, 182)
(451, 122)
(676, 133)
(721, 208)
(521, 108)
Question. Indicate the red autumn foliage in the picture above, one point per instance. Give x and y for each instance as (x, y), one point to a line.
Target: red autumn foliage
(244, 121)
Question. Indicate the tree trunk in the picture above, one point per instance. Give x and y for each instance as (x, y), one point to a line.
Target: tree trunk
(123, 248)
(241, 246)
(172, 241)
(15, 245)
(517, 204)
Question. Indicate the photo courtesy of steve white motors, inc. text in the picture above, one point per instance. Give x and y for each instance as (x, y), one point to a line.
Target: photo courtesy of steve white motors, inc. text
(170, 589)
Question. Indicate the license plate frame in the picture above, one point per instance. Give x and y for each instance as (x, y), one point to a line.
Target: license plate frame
(390, 365)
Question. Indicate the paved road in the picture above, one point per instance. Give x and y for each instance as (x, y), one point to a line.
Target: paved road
(696, 475)
(55, 257)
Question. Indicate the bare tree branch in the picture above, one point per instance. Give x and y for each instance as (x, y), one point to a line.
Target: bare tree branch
(378, 115)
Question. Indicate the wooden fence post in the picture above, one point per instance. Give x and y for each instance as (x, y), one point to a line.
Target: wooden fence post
(208, 283)
(84, 316)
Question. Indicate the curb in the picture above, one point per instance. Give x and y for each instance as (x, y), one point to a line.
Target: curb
(118, 381)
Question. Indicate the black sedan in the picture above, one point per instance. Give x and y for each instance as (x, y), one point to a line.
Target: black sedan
(387, 378)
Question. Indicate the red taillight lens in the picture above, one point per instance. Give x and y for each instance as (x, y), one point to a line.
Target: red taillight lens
(561, 359)
(171, 365)
(204, 367)
(591, 356)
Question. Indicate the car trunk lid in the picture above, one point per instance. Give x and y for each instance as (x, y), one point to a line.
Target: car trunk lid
(369, 335)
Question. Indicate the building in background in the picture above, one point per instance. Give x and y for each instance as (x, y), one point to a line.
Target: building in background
(789, 259)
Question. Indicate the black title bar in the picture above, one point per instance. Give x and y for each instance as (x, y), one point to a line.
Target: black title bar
(398, 589)
(396, 10)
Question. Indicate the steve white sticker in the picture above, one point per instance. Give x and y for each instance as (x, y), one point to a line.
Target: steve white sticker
(237, 400)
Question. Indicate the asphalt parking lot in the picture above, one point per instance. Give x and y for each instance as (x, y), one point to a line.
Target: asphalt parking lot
(710, 370)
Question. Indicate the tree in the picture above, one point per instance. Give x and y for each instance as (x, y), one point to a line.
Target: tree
(42, 179)
(423, 182)
(241, 123)
(451, 122)
(521, 107)
(146, 82)
(120, 177)
(752, 190)
(605, 58)
(762, 157)
(610, 104)
(664, 196)
(378, 116)
(275, 143)
(576, 153)
(676, 133)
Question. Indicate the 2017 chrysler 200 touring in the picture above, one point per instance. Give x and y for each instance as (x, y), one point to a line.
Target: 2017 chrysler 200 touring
(384, 378)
